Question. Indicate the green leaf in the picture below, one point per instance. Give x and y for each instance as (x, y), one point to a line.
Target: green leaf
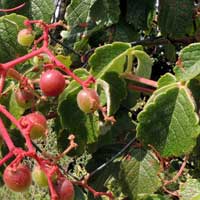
(131, 98)
(66, 60)
(34, 9)
(89, 16)
(79, 195)
(169, 122)
(170, 52)
(14, 108)
(153, 197)
(144, 65)
(41, 10)
(190, 190)
(108, 58)
(85, 126)
(166, 79)
(115, 90)
(9, 28)
(125, 32)
(188, 74)
(194, 86)
(105, 12)
(139, 12)
(78, 12)
(175, 17)
(189, 66)
(80, 22)
(138, 174)
(196, 197)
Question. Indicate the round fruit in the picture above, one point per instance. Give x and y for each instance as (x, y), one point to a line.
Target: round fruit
(25, 37)
(17, 179)
(39, 177)
(39, 125)
(88, 100)
(24, 98)
(52, 82)
(64, 189)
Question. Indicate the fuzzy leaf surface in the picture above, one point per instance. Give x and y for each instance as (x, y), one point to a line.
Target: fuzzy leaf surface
(138, 174)
(190, 190)
(169, 121)
(189, 66)
(115, 90)
(108, 58)
(175, 17)
(166, 79)
(40, 10)
(144, 66)
(105, 12)
(14, 108)
(9, 28)
(78, 12)
(34, 9)
(139, 12)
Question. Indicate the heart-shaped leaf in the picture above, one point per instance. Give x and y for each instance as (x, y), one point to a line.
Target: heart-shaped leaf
(138, 173)
(162, 125)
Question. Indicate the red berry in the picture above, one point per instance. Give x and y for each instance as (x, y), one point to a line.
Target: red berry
(24, 98)
(64, 189)
(52, 82)
(25, 37)
(17, 179)
(88, 100)
(39, 125)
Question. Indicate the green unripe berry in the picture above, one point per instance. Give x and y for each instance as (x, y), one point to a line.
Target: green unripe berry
(39, 177)
(88, 100)
(25, 37)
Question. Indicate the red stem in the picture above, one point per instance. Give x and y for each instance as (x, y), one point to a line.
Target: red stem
(44, 49)
(140, 89)
(17, 124)
(29, 143)
(25, 126)
(6, 158)
(93, 191)
(63, 67)
(175, 178)
(10, 117)
(13, 63)
(139, 79)
(13, 9)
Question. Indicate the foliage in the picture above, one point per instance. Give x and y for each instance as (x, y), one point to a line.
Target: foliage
(142, 57)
